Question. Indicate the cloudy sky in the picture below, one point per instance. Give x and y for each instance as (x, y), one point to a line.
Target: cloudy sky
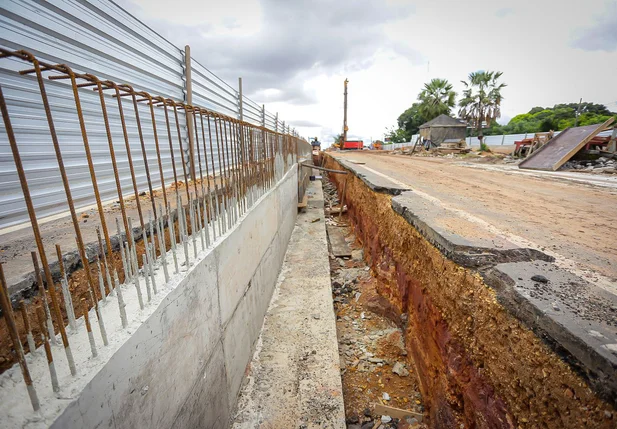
(293, 55)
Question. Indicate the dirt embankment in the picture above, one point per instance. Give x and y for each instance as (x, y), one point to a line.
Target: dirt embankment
(477, 365)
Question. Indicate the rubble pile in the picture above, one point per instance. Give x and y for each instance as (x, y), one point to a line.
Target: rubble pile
(375, 368)
(599, 166)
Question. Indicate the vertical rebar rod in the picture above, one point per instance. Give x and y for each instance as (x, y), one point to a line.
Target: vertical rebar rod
(66, 292)
(121, 304)
(125, 267)
(152, 258)
(171, 149)
(27, 327)
(156, 143)
(84, 305)
(101, 282)
(129, 90)
(186, 179)
(84, 136)
(50, 357)
(7, 310)
(210, 209)
(232, 172)
(35, 229)
(146, 274)
(216, 192)
(112, 154)
(127, 146)
(104, 263)
(43, 295)
(58, 153)
(222, 173)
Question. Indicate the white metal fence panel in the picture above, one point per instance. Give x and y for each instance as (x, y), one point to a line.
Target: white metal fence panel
(98, 37)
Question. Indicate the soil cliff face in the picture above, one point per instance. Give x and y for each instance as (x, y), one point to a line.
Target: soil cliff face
(477, 364)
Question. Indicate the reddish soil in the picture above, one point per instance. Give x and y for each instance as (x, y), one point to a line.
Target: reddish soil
(476, 364)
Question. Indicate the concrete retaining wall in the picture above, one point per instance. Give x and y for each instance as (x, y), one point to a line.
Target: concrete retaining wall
(184, 366)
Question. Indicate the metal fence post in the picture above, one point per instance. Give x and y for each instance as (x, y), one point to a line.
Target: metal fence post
(189, 114)
(276, 123)
(263, 115)
(240, 107)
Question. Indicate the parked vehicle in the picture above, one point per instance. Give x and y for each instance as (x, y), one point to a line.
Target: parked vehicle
(353, 145)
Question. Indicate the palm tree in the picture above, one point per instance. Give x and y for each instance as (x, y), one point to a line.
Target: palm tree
(481, 102)
(436, 98)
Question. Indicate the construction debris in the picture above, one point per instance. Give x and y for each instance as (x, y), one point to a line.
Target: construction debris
(560, 149)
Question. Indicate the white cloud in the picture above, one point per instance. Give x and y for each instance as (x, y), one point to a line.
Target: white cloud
(294, 55)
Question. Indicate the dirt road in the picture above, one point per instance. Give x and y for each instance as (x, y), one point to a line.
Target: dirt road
(570, 218)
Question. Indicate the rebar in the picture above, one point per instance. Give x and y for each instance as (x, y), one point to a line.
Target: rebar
(84, 305)
(66, 292)
(121, 304)
(152, 258)
(35, 229)
(43, 294)
(7, 310)
(50, 357)
(29, 337)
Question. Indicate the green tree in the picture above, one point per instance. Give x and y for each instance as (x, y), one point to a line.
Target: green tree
(556, 118)
(437, 98)
(396, 135)
(481, 102)
(410, 120)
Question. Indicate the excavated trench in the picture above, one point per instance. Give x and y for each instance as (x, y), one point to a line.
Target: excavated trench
(477, 366)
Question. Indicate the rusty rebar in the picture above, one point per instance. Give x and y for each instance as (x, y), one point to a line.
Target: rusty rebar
(127, 145)
(35, 228)
(82, 126)
(24, 315)
(7, 310)
(130, 91)
(175, 106)
(149, 98)
(50, 357)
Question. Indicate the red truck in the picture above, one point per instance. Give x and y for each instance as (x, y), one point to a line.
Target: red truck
(353, 145)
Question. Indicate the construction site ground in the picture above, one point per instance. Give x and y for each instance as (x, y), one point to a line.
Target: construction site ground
(569, 216)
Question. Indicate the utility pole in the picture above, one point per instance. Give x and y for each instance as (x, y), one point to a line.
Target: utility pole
(345, 115)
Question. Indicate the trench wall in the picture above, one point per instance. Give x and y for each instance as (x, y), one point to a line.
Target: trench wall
(183, 367)
(478, 363)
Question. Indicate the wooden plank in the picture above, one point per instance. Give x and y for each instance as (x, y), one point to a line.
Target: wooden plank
(385, 410)
(304, 202)
(562, 147)
(355, 161)
(340, 248)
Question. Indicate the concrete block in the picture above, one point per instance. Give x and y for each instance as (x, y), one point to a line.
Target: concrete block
(577, 319)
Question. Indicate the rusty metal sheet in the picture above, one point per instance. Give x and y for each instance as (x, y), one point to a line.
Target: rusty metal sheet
(561, 148)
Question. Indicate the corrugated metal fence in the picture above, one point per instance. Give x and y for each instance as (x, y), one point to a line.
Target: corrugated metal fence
(98, 37)
(500, 140)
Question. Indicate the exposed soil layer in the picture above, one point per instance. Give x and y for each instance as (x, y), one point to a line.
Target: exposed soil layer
(79, 288)
(477, 365)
